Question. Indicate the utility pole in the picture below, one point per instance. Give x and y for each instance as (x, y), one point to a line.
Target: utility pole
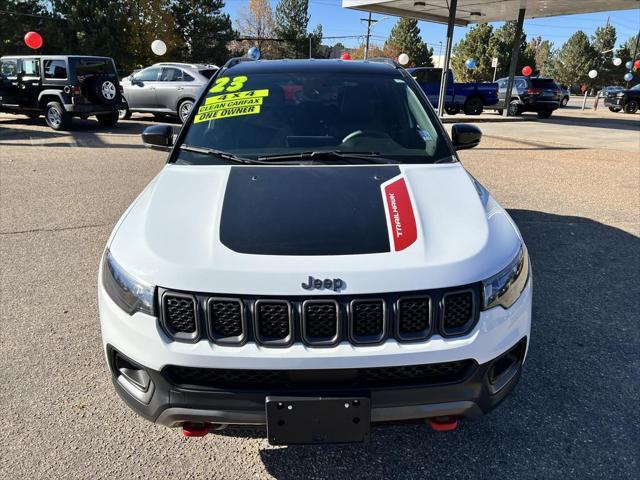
(370, 22)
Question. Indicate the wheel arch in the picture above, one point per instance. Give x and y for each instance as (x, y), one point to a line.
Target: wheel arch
(47, 96)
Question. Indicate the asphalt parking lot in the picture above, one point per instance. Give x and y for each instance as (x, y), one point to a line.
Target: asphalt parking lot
(574, 414)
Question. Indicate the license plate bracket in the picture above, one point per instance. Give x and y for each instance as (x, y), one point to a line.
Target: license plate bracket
(317, 420)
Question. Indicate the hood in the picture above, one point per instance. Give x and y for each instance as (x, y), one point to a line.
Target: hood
(265, 230)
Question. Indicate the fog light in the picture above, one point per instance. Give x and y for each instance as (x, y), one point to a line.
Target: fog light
(504, 368)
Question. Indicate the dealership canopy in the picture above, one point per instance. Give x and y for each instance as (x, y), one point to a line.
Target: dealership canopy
(478, 11)
(465, 12)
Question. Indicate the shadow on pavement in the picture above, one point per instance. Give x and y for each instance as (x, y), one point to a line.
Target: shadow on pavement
(626, 122)
(83, 133)
(574, 413)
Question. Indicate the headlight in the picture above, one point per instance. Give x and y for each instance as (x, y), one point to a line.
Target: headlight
(505, 288)
(130, 294)
(620, 95)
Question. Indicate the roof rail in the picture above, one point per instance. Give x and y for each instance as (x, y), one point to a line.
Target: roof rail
(232, 62)
(386, 60)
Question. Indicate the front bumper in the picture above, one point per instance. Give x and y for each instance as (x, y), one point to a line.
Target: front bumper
(471, 397)
(615, 102)
(140, 340)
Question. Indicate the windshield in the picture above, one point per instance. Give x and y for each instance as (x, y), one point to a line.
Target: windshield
(635, 87)
(275, 115)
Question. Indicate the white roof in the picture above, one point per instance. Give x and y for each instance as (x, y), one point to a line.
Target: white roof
(477, 11)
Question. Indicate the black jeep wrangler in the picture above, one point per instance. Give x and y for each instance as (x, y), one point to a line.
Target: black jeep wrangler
(60, 87)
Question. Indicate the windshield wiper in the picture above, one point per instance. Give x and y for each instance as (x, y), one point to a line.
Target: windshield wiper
(370, 157)
(219, 153)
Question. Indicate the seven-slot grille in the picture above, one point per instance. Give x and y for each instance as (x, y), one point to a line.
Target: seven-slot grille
(429, 374)
(318, 322)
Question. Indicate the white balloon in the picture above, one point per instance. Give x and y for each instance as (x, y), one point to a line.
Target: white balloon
(403, 59)
(617, 61)
(593, 73)
(159, 47)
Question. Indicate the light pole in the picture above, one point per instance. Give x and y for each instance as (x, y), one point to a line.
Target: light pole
(370, 23)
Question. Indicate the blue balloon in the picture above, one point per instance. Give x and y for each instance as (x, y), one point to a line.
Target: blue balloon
(628, 76)
(628, 65)
(471, 64)
(253, 53)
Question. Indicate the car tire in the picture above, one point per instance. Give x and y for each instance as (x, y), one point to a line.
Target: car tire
(108, 119)
(452, 111)
(631, 106)
(544, 113)
(564, 101)
(473, 106)
(104, 91)
(184, 109)
(614, 109)
(124, 113)
(514, 108)
(56, 116)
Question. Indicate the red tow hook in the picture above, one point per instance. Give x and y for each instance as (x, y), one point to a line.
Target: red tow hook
(195, 429)
(443, 424)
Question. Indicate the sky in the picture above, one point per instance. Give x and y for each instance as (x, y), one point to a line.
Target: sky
(337, 21)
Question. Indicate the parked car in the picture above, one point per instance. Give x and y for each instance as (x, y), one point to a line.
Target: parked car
(165, 89)
(565, 94)
(314, 257)
(60, 87)
(529, 94)
(471, 98)
(627, 100)
(609, 89)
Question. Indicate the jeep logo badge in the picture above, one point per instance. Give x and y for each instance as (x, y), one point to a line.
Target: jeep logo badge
(316, 283)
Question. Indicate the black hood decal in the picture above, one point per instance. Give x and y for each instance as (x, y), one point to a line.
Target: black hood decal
(306, 210)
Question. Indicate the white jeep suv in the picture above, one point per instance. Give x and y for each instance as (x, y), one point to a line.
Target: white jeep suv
(314, 258)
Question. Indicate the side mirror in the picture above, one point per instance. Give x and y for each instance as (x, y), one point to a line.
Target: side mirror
(465, 135)
(158, 137)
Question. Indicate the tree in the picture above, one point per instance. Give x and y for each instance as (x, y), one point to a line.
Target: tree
(94, 27)
(625, 52)
(292, 19)
(501, 45)
(474, 45)
(543, 53)
(604, 40)
(405, 38)
(574, 60)
(256, 21)
(21, 16)
(203, 29)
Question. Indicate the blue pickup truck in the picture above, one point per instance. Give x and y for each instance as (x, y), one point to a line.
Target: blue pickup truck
(471, 98)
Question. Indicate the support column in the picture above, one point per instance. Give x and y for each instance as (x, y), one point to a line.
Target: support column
(447, 56)
(515, 51)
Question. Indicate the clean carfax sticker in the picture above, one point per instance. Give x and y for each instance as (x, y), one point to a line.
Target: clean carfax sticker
(226, 113)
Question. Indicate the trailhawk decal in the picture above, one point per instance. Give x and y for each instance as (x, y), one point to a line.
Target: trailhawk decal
(401, 219)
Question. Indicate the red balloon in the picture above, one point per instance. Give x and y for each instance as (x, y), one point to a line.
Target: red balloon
(637, 63)
(33, 40)
(345, 56)
(526, 71)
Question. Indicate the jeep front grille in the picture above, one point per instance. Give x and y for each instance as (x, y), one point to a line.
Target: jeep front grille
(288, 380)
(319, 321)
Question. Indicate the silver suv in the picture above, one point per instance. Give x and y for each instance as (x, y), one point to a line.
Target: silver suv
(164, 89)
